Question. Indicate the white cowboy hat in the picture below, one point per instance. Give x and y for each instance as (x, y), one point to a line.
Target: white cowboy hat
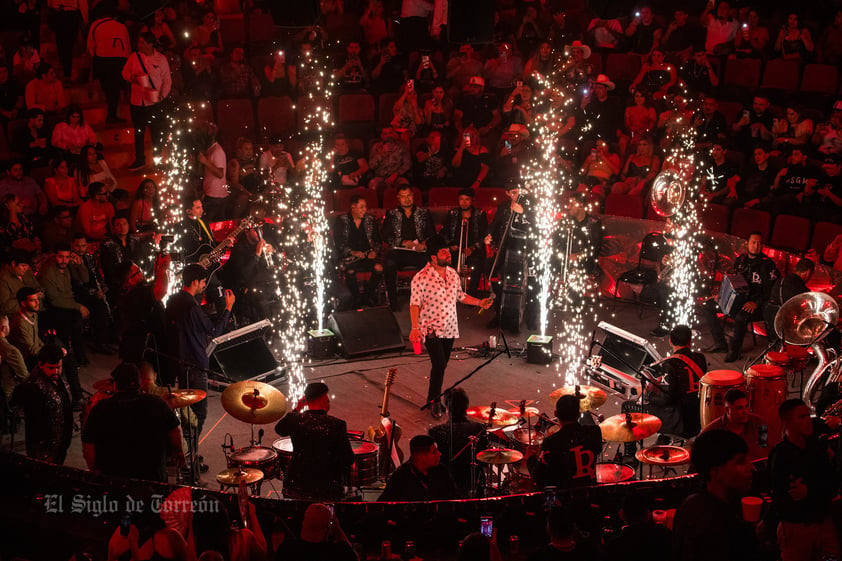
(602, 80)
(586, 50)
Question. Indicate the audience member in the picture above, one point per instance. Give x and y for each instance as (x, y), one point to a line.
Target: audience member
(389, 160)
(91, 167)
(13, 370)
(31, 141)
(238, 78)
(321, 538)
(421, 477)
(793, 42)
(64, 314)
(738, 419)
(45, 92)
(72, 134)
(94, 215)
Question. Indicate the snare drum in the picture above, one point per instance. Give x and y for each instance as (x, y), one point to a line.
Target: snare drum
(713, 387)
(767, 389)
(258, 457)
(613, 473)
(283, 447)
(775, 358)
(364, 471)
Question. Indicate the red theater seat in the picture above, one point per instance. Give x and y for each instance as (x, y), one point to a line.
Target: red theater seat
(443, 196)
(630, 206)
(746, 220)
(791, 233)
(342, 198)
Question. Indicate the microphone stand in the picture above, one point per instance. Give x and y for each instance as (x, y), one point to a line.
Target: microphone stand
(435, 399)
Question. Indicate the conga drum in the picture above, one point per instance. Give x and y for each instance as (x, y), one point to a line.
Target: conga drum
(798, 357)
(767, 389)
(776, 358)
(712, 389)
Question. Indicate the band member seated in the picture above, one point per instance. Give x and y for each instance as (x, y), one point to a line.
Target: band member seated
(466, 219)
(454, 438)
(675, 397)
(752, 428)
(512, 220)
(406, 230)
(249, 273)
(358, 244)
(585, 237)
(760, 273)
(782, 290)
(321, 452)
(568, 457)
(128, 435)
(422, 477)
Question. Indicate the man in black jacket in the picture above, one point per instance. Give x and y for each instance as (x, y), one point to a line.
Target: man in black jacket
(453, 440)
(760, 273)
(466, 218)
(248, 272)
(803, 488)
(422, 477)
(358, 244)
(785, 288)
(321, 452)
(406, 230)
(196, 239)
(568, 457)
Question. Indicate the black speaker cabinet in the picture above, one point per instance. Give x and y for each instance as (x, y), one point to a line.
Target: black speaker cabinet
(242, 355)
(470, 21)
(364, 331)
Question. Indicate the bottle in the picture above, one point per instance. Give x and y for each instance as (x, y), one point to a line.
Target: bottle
(385, 550)
(514, 547)
(408, 550)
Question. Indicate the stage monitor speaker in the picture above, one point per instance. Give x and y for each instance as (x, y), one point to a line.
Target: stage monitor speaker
(242, 355)
(470, 21)
(364, 331)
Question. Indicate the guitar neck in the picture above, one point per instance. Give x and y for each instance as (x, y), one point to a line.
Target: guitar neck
(217, 252)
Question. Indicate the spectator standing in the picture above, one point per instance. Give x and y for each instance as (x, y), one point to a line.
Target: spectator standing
(793, 43)
(471, 161)
(461, 68)
(66, 18)
(501, 71)
(679, 36)
(148, 72)
(144, 209)
(721, 28)
(109, 45)
(277, 77)
(643, 33)
(238, 78)
(414, 32)
(390, 71)
(603, 111)
(803, 487)
(214, 171)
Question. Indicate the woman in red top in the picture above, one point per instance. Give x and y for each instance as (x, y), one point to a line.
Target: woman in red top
(144, 206)
(62, 189)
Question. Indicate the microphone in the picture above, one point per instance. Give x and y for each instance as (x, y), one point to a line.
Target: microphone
(491, 412)
(260, 434)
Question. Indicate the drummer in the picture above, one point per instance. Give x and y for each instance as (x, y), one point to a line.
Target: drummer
(453, 439)
(785, 288)
(752, 428)
(129, 434)
(321, 452)
(675, 399)
(422, 477)
(568, 457)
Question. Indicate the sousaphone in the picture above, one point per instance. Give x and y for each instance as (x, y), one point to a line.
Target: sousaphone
(667, 194)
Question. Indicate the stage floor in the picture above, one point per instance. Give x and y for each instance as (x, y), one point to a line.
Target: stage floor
(357, 385)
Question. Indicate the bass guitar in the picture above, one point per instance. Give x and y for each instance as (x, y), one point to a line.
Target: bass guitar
(387, 433)
(209, 257)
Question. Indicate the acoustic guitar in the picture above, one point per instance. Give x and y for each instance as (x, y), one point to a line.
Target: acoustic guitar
(209, 257)
(387, 433)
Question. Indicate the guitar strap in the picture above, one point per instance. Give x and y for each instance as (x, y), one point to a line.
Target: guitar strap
(388, 427)
(205, 228)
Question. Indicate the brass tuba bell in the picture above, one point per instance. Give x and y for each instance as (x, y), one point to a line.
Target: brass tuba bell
(806, 318)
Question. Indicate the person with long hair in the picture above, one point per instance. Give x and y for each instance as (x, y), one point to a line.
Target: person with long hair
(144, 207)
(92, 168)
(62, 189)
(793, 42)
(277, 78)
(438, 110)
(406, 114)
(656, 75)
(640, 119)
(640, 168)
(794, 130)
(211, 530)
(72, 134)
(15, 229)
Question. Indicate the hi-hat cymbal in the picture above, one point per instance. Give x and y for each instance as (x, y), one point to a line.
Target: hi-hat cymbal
(499, 456)
(502, 418)
(182, 398)
(233, 476)
(528, 411)
(104, 385)
(664, 456)
(619, 429)
(255, 403)
(591, 396)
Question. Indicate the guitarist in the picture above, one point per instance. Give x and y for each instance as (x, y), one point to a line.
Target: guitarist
(196, 239)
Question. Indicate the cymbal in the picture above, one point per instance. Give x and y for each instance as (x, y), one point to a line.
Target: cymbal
(177, 399)
(529, 411)
(233, 476)
(255, 403)
(522, 435)
(617, 429)
(499, 456)
(664, 456)
(502, 418)
(104, 385)
(592, 397)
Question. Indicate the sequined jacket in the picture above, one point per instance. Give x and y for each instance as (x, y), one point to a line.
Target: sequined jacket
(48, 416)
(342, 229)
(477, 227)
(392, 223)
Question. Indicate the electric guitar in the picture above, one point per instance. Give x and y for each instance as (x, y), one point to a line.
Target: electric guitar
(387, 433)
(209, 257)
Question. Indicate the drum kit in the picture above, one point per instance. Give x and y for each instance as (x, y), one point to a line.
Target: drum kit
(525, 428)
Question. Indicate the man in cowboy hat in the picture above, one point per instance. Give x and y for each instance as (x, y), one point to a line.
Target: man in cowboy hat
(603, 111)
(476, 108)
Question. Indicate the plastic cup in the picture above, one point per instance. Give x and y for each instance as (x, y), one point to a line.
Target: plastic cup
(659, 517)
(416, 346)
(751, 508)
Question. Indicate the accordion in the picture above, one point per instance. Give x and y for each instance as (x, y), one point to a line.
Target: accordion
(733, 293)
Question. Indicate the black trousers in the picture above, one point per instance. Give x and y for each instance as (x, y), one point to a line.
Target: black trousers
(361, 266)
(65, 24)
(742, 319)
(109, 72)
(147, 116)
(439, 350)
(397, 260)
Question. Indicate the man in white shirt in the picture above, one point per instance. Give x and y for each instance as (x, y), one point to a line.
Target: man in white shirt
(65, 18)
(148, 72)
(109, 45)
(721, 28)
(214, 184)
